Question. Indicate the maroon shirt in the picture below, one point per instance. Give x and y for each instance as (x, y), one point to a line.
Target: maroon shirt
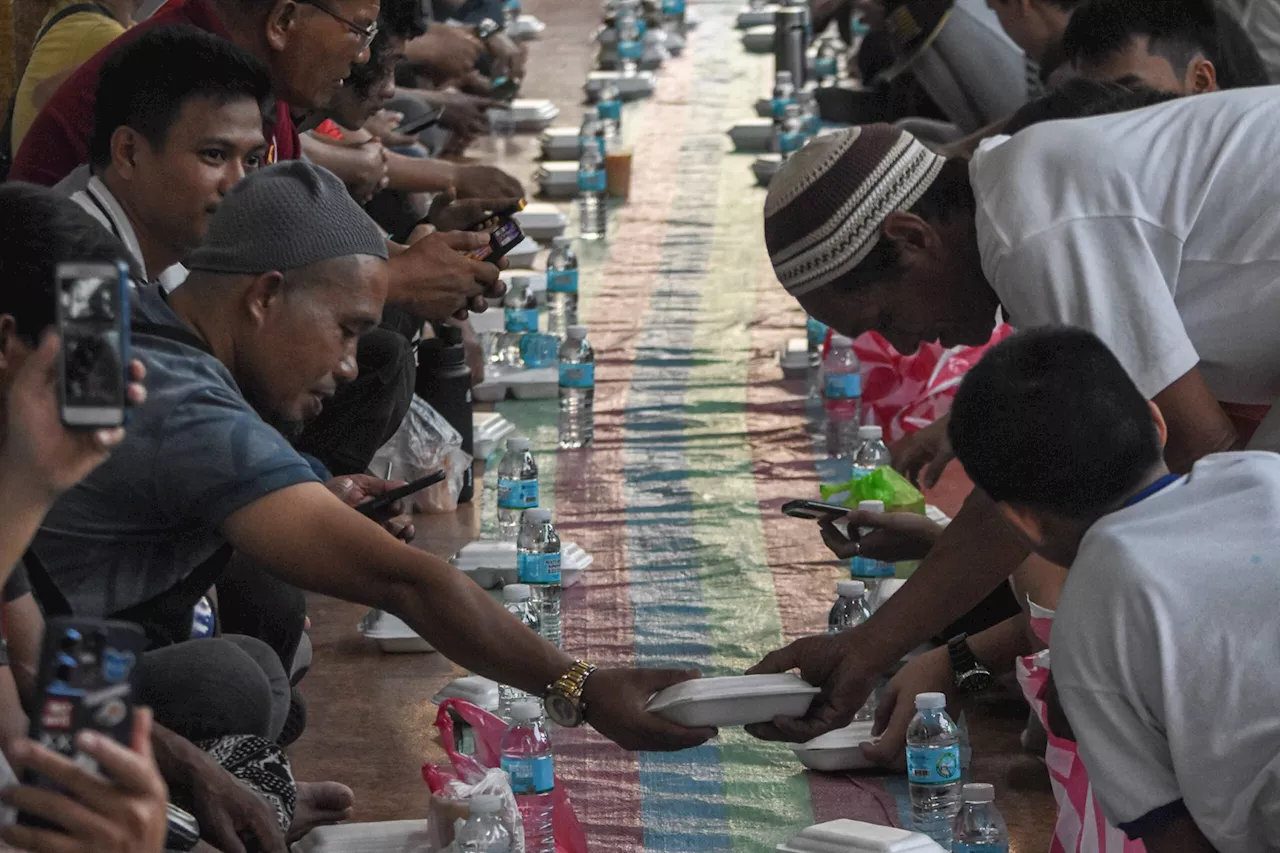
(58, 140)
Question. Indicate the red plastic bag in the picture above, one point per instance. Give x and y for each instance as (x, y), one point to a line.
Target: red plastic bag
(903, 393)
(488, 730)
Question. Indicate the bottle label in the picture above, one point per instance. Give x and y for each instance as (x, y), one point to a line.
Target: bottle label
(673, 7)
(591, 181)
(778, 106)
(789, 142)
(517, 494)
(611, 110)
(535, 775)
(864, 567)
(538, 568)
(980, 847)
(825, 66)
(522, 319)
(842, 386)
(577, 375)
(933, 765)
(538, 350)
(562, 281)
(630, 49)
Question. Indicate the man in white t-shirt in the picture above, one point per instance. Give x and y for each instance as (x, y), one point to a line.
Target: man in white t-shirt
(1165, 639)
(1156, 229)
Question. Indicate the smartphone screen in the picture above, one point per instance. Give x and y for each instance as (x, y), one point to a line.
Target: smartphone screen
(94, 326)
(503, 239)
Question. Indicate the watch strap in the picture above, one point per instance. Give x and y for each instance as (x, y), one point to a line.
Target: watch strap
(962, 657)
(571, 684)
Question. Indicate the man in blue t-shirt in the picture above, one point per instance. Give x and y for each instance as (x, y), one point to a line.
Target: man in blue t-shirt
(289, 277)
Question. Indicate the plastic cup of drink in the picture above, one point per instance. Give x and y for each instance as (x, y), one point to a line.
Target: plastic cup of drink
(617, 170)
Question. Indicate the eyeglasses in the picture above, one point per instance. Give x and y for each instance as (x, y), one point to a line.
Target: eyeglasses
(365, 34)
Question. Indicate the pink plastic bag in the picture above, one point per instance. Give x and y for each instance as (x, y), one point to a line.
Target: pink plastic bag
(1081, 827)
(488, 738)
(903, 393)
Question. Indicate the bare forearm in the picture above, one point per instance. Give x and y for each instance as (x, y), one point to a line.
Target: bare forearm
(174, 757)
(23, 512)
(418, 174)
(976, 552)
(348, 163)
(1000, 645)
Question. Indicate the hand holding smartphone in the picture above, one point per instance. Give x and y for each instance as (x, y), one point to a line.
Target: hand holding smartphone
(379, 504)
(814, 510)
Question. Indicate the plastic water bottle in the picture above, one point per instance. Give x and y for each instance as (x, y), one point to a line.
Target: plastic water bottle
(816, 333)
(593, 214)
(590, 131)
(810, 115)
(933, 768)
(577, 389)
(562, 287)
(784, 93)
(979, 827)
(851, 609)
(630, 40)
(520, 317)
(789, 136)
(826, 65)
(609, 111)
(872, 452)
(842, 397)
(518, 599)
(538, 565)
(869, 571)
(517, 486)
(484, 832)
(510, 13)
(526, 756)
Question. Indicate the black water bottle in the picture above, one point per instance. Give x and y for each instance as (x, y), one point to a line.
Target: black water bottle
(444, 381)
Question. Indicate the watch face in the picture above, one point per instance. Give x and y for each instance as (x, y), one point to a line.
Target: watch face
(563, 711)
(975, 681)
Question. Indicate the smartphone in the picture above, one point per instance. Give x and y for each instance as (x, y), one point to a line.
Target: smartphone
(86, 680)
(502, 239)
(814, 510)
(503, 88)
(183, 830)
(493, 218)
(93, 323)
(414, 126)
(381, 502)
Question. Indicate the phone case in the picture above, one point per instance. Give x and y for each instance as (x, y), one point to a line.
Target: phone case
(86, 681)
(122, 327)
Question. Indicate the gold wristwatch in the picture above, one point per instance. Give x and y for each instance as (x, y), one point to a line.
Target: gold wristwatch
(563, 701)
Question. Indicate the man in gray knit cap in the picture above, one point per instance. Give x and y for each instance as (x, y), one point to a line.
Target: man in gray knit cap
(292, 272)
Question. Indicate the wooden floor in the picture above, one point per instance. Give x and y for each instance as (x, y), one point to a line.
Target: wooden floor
(370, 714)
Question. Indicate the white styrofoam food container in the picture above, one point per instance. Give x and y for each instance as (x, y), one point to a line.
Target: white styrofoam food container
(837, 750)
(524, 253)
(560, 143)
(392, 634)
(757, 17)
(479, 691)
(856, 836)
(765, 167)
(541, 383)
(752, 136)
(492, 564)
(392, 836)
(764, 108)
(636, 86)
(558, 178)
(489, 430)
(794, 358)
(541, 222)
(526, 27)
(759, 39)
(735, 700)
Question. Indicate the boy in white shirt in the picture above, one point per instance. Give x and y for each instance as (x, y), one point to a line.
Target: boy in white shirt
(1165, 639)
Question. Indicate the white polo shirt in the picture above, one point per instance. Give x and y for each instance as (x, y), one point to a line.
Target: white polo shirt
(1165, 650)
(100, 203)
(1157, 229)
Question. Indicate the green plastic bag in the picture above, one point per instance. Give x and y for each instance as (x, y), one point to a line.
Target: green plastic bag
(882, 484)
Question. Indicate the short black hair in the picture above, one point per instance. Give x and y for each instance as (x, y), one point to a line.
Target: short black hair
(1177, 30)
(41, 230)
(396, 18)
(950, 195)
(145, 83)
(1080, 97)
(1050, 420)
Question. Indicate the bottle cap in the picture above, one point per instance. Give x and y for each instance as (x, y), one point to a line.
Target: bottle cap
(979, 792)
(561, 242)
(528, 711)
(871, 506)
(518, 444)
(482, 804)
(784, 76)
(931, 701)
(513, 593)
(576, 333)
(851, 589)
(870, 433)
(536, 516)
(841, 341)
(792, 110)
